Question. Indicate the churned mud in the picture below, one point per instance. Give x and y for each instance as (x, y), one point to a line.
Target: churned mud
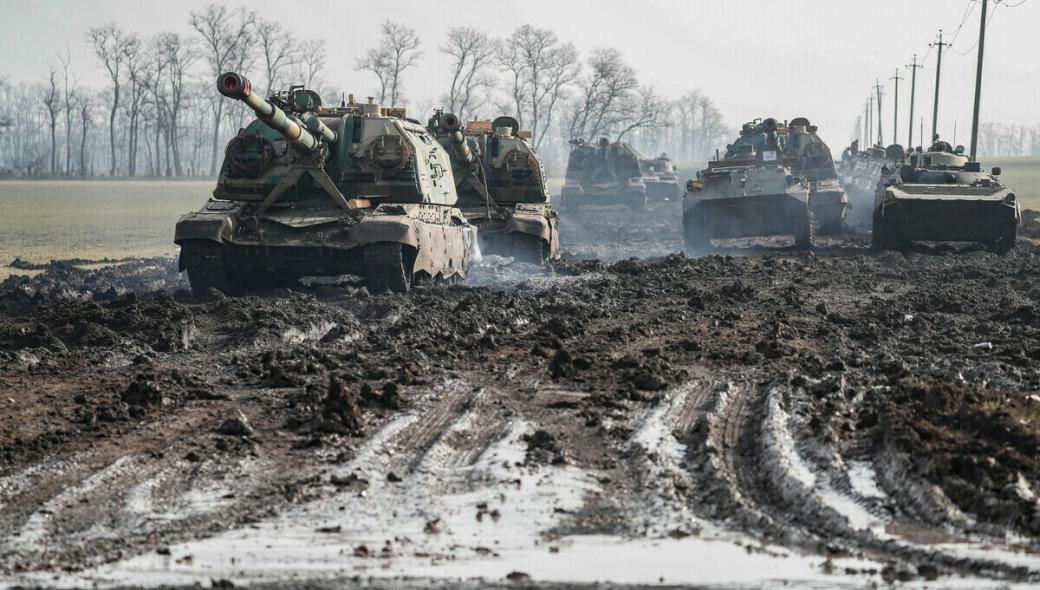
(840, 418)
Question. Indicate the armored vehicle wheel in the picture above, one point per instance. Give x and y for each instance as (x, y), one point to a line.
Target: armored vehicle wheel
(1005, 242)
(805, 236)
(387, 267)
(528, 249)
(204, 262)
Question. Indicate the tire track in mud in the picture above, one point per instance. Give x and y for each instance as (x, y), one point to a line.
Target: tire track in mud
(761, 481)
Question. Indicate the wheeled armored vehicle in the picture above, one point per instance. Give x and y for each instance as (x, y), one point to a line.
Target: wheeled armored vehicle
(940, 196)
(751, 191)
(309, 190)
(604, 173)
(501, 186)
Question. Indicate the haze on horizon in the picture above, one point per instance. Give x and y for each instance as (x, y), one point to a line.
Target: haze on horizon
(754, 58)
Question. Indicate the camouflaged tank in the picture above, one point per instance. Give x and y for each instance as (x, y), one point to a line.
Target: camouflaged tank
(939, 196)
(502, 187)
(308, 190)
(660, 177)
(752, 191)
(827, 197)
(604, 173)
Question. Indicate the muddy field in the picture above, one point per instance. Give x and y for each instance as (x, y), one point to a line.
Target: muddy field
(841, 418)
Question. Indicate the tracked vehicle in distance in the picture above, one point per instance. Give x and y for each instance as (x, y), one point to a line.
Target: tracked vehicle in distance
(939, 196)
(604, 173)
(660, 177)
(501, 185)
(309, 190)
(827, 197)
(861, 170)
(752, 191)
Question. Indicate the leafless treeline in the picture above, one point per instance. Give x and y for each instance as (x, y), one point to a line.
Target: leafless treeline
(158, 114)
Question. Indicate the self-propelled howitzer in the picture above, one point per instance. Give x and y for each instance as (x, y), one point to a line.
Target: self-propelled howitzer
(309, 190)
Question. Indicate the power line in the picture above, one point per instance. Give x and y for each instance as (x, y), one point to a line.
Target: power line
(976, 43)
(967, 12)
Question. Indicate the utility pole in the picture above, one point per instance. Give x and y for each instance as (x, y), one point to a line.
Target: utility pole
(895, 108)
(870, 119)
(978, 85)
(913, 87)
(938, 70)
(865, 126)
(877, 87)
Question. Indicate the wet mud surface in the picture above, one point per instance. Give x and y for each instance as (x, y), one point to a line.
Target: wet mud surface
(839, 418)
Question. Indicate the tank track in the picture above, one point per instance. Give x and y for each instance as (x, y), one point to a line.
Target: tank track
(805, 238)
(384, 265)
(204, 262)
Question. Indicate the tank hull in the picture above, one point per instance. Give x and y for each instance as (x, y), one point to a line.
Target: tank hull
(529, 232)
(632, 195)
(991, 221)
(663, 189)
(249, 249)
(745, 217)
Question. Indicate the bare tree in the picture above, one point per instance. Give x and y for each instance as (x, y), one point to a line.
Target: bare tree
(644, 110)
(109, 42)
(541, 69)
(472, 52)
(137, 70)
(278, 49)
(397, 51)
(51, 100)
(313, 53)
(605, 92)
(225, 34)
(85, 106)
(179, 56)
(68, 95)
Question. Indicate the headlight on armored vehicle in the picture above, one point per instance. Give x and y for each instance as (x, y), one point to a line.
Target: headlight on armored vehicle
(1010, 198)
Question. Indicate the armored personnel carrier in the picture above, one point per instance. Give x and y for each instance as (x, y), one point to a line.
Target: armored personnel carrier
(861, 172)
(501, 186)
(827, 197)
(660, 178)
(603, 174)
(940, 196)
(309, 190)
(751, 191)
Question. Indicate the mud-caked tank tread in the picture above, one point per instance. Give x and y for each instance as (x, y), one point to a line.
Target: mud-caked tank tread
(203, 260)
(883, 236)
(387, 267)
(528, 249)
(805, 236)
(636, 203)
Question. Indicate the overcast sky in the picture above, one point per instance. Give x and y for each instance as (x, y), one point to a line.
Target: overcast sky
(782, 58)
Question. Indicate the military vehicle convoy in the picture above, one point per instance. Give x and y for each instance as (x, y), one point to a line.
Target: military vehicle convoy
(660, 177)
(939, 196)
(604, 173)
(501, 186)
(310, 190)
(751, 191)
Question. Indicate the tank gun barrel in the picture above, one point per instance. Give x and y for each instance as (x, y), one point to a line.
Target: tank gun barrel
(453, 126)
(306, 138)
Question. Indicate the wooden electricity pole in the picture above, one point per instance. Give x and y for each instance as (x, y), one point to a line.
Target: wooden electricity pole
(895, 108)
(938, 70)
(978, 85)
(877, 87)
(914, 66)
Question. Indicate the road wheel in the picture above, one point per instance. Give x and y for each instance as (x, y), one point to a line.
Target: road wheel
(204, 262)
(387, 268)
(805, 238)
